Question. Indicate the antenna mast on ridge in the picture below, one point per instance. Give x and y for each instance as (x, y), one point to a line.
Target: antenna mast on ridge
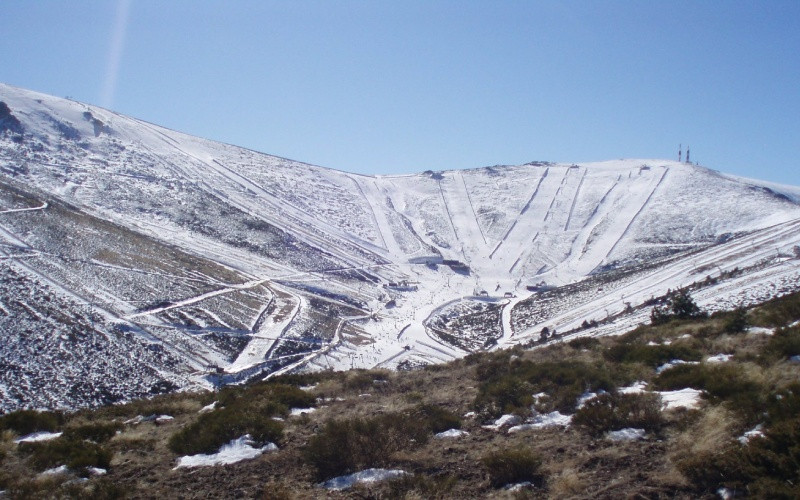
(687, 155)
(680, 152)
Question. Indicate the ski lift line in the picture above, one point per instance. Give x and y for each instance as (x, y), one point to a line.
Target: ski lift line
(638, 212)
(575, 199)
(371, 209)
(524, 209)
(447, 209)
(472, 207)
(310, 238)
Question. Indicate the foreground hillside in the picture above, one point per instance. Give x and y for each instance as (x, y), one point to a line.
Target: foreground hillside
(137, 260)
(684, 408)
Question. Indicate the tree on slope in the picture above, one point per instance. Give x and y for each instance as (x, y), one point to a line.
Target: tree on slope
(679, 305)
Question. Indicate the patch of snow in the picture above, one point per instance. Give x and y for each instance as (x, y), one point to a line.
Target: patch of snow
(38, 436)
(61, 469)
(209, 407)
(296, 412)
(682, 398)
(635, 388)
(309, 387)
(503, 421)
(719, 358)
(470, 414)
(795, 359)
(758, 330)
(628, 434)
(752, 433)
(725, 493)
(96, 471)
(553, 419)
(518, 486)
(674, 363)
(586, 397)
(159, 419)
(451, 433)
(364, 476)
(235, 451)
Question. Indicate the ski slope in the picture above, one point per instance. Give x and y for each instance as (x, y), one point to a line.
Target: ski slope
(242, 265)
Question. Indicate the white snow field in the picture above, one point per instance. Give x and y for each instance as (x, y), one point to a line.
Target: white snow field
(137, 260)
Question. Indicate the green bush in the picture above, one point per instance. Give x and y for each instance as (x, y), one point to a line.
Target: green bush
(512, 466)
(784, 404)
(29, 421)
(74, 453)
(680, 377)
(723, 382)
(436, 418)
(346, 446)
(266, 393)
(610, 412)
(361, 380)
(584, 343)
(509, 388)
(778, 312)
(766, 467)
(214, 429)
(99, 432)
(784, 344)
(651, 355)
(736, 321)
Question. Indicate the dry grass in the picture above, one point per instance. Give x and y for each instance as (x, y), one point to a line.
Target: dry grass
(714, 428)
(566, 483)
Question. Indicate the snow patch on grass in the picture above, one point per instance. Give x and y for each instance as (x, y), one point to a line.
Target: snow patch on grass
(682, 398)
(235, 451)
(451, 433)
(553, 419)
(38, 436)
(628, 434)
(365, 476)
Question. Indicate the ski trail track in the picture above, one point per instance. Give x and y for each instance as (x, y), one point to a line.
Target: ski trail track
(198, 298)
(16, 210)
(522, 212)
(462, 217)
(376, 200)
(575, 197)
(447, 211)
(472, 207)
(638, 212)
(551, 225)
(378, 227)
(283, 209)
(531, 220)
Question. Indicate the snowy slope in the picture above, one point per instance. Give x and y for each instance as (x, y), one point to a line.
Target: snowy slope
(215, 264)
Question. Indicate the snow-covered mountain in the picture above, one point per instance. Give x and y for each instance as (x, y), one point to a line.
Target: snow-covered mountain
(135, 259)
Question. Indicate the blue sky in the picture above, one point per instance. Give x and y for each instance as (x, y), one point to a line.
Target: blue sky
(406, 86)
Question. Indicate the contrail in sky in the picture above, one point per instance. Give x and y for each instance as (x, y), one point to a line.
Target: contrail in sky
(115, 48)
